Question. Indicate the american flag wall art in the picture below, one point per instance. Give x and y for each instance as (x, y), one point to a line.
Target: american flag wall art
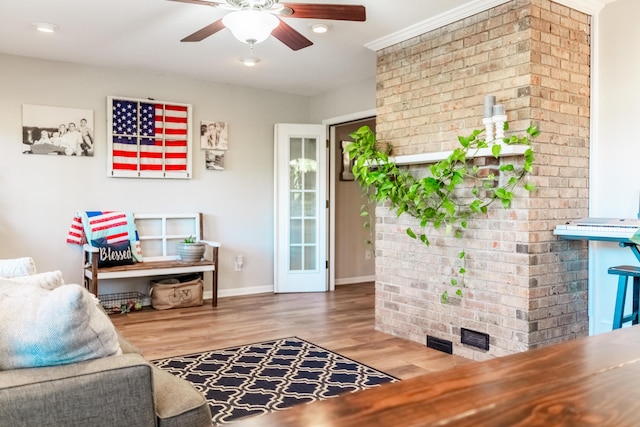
(149, 138)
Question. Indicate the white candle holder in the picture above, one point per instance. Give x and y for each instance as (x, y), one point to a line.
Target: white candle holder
(499, 120)
(488, 126)
(489, 102)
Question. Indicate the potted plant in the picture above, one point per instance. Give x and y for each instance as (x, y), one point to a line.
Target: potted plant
(453, 191)
(189, 250)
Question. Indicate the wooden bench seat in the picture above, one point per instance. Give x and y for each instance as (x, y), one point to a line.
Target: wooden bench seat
(159, 234)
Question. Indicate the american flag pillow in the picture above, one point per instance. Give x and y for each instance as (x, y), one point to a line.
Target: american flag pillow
(107, 227)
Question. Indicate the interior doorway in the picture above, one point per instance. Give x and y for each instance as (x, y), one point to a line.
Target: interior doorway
(300, 194)
(352, 258)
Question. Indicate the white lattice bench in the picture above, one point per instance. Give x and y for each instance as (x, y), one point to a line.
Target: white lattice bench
(159, 235)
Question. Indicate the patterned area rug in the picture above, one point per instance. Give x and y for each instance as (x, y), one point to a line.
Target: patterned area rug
(258, 378)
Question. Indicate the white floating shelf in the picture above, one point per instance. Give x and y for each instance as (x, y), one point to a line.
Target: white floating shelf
(416, 159)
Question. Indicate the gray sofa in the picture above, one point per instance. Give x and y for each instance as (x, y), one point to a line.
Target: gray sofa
(123, 390)
(116, 388)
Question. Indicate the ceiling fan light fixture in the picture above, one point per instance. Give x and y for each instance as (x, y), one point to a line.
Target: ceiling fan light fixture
(320, 28)
(250, 26)
(250, 61)
(45, 27)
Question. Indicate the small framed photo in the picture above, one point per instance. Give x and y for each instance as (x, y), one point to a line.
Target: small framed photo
(214, 135)
(214, 160)
(346, 172)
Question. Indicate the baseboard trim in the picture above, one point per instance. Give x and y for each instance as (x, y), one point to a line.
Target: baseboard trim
(223, 293)
(352, 280)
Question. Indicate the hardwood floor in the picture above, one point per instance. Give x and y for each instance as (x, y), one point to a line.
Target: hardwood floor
(341, 321)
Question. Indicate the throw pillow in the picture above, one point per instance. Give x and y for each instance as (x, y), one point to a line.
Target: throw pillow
(43, 328)
(113, 254)
(17, 267)
(49, 280)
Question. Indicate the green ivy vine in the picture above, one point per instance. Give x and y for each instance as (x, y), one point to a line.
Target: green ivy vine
(439, 199)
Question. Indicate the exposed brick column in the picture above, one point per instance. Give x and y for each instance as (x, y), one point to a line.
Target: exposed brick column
(524, 287)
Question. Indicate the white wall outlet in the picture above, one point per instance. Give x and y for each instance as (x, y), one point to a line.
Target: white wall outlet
(239, 262)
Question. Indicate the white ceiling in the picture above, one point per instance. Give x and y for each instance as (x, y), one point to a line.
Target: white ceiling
(145, 35)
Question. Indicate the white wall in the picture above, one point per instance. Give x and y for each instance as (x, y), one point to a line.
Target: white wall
(615, 151)
(337, 107)
(39, 194)
(344, 101)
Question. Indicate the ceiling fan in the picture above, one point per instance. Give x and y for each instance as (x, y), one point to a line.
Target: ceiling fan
(254, 15)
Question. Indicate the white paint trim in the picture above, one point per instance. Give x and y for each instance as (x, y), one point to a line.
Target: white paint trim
(332, 208)
(353, 280)
(350, 117)
(223, 293)
(593, 172)
(591, 7)
(414, 159)
(436, 22)
(332, 184)
(268, 289)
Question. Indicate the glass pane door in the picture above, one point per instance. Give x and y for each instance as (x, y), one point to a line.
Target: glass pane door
(303, 196)
(300, 231)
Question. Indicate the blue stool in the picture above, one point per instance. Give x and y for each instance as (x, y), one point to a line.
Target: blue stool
(624, 272)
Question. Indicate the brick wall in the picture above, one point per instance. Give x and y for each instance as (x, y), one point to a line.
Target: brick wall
(523, 286)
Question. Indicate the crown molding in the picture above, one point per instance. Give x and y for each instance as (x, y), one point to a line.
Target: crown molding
(434, 23)
(591, 7)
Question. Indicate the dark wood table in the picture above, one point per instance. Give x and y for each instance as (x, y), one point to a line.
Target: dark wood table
(591, 381)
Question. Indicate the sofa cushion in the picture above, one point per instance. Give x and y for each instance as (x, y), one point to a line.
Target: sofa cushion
(49, 280)
(17, 267)
(43, 327)
(106, 392)
(178, 403)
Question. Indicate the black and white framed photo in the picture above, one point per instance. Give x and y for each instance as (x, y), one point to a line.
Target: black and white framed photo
(57, 130)
(214, 135)
(346, 172)
(214, 160)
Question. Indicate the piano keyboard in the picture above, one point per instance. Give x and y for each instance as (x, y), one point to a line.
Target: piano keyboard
(613, 229)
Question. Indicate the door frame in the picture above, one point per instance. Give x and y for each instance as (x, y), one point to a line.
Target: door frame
(332, 164)
(316, 278)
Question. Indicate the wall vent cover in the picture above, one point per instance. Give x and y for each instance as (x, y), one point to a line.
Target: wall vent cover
(440, 344)
(474, 338)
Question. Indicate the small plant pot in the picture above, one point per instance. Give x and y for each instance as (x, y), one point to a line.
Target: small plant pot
(384, 147)
(190, 252)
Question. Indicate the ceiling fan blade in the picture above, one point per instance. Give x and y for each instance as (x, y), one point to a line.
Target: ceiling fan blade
(201, 2)
(292, 38)
(338, 12)
(205, 32)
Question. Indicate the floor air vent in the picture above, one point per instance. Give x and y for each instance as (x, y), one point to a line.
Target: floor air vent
(440, 344)
(474, 338)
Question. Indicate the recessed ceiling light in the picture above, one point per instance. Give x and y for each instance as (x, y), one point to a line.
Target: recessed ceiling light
(250, 61)
(320, 28)
(45, 27)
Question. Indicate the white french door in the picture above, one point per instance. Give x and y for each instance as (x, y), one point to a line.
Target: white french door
(300, 234)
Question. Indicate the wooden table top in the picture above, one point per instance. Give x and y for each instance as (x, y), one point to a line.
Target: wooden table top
(591, 381)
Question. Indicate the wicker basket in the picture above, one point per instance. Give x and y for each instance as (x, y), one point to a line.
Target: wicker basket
(122, 302)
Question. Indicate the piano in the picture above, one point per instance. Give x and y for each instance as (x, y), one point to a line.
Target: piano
(619, 230)
(608, 229)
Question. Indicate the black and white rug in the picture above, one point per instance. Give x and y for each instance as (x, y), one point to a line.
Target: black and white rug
(258, 378)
